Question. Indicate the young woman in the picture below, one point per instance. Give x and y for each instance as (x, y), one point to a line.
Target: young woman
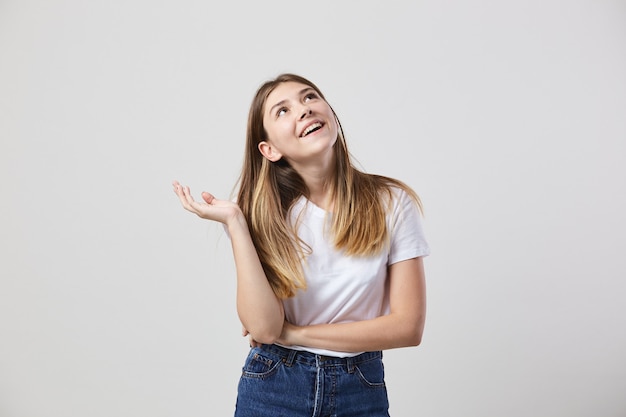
(328, 260)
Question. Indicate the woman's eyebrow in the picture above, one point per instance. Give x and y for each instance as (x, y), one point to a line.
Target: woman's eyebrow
(282, 102)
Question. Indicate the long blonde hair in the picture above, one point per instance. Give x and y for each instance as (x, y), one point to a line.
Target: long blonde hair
(268, 190)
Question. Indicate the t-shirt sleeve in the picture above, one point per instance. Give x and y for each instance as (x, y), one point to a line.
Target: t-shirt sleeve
(407, 239)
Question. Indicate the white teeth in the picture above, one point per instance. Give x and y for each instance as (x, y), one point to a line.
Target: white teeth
(310, 128)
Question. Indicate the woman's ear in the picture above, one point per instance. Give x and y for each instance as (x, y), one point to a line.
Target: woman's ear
(269, 152)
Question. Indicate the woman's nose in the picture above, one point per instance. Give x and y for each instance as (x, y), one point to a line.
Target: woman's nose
(305, 112)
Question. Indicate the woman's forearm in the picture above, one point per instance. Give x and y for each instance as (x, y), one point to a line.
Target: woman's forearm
(402, 327)
(385, 332)
(260, 311)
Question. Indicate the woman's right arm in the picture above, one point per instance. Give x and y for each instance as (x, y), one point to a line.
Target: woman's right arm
(260, 311)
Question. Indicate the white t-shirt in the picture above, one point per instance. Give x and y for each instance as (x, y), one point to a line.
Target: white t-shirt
(344, 288)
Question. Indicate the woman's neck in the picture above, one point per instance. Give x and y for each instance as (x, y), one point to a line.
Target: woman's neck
(319, 178)
(322, 197)
(319, 181)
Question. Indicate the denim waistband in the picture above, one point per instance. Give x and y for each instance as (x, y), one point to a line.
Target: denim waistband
(289, 356)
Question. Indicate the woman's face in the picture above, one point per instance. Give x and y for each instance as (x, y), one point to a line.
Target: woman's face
(300, 125)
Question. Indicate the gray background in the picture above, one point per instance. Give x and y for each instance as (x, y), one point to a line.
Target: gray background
(508, 118)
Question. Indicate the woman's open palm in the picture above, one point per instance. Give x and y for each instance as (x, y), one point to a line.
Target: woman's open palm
(212, 208)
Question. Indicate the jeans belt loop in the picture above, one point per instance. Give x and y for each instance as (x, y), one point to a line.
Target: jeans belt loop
(291, 356)
(350, 364)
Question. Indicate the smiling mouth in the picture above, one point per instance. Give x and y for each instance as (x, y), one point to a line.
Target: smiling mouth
(313, 127)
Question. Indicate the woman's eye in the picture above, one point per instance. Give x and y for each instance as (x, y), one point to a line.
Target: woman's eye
(310, 96)
(281, 111)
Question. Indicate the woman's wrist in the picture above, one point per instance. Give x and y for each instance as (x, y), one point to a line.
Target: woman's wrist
(236, 221)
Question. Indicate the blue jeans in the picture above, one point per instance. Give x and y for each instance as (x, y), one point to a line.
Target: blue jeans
(280, 382)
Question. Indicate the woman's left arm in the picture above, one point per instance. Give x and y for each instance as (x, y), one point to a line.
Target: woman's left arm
(402, 327)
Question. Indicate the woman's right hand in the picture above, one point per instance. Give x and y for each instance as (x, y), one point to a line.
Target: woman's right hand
(260, 311)
(223, 211)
